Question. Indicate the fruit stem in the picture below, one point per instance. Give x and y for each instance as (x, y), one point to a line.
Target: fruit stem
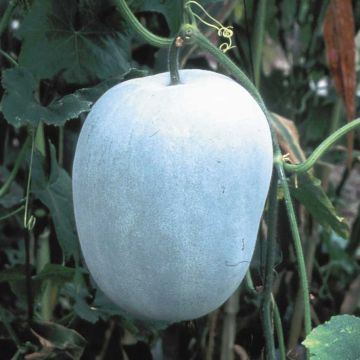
(139, 29)
(322, 148)
(173, 58)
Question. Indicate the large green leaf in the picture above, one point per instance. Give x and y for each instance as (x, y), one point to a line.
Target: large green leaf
(55, 192)
(62, 37)
(336, 339)
(307, 189)
(20, 106)
(171, 9)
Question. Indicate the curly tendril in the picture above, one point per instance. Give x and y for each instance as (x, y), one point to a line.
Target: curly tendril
(222, 31)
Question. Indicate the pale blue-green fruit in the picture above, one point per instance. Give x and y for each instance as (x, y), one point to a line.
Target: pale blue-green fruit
(169, 186)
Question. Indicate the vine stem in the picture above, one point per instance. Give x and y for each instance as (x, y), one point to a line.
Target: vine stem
(269, 271)
(136, 25)
(12, 213)
(8, 58)
(322, 148)
(279, 329)
(258, 39)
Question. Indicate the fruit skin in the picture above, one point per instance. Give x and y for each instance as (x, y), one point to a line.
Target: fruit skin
(169, 185)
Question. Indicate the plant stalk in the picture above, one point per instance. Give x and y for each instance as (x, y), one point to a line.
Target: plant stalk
(229, 327)
(174, 50)
(12, 213)
(279, 329)
(269, 271)
(258, 39)
(136, 25)
(322, 148)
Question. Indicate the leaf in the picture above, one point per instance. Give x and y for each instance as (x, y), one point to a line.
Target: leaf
(14, 274)
(339, 36)
(91, 94)
(55, 193)
(14, 195)
(169, 8)
(56, 273)
(55, 337)
(309, 192)
(20, 106)
(58, 37)
(336, 339)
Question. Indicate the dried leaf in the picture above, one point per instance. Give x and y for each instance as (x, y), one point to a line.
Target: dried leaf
(289, 139)
(339, 36)
(57, 339)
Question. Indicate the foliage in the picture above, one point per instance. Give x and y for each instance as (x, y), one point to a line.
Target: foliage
(336, 339)
(57, 58)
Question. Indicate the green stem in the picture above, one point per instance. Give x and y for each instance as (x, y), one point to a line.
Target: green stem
(258, 39)
(28, 220)
(43, 253)
(269, 271)
(20, 158)
(322, 148)
(8, 57)
(174, 50)
(135, 24)
(42, 259)
(205, 44)
(279, 329)
(250, 284)
(12, 213)
(297, 246)
(4, 22)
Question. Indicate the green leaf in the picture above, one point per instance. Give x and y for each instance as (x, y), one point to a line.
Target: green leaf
(54, 272)
(55, 192)
(14, 195)
(14, 274)
(309, 192)
(58, 274)
(58, 37)
(20, 106)
(336, 339)
(57, 339)
(171, 9)
(91, 94)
